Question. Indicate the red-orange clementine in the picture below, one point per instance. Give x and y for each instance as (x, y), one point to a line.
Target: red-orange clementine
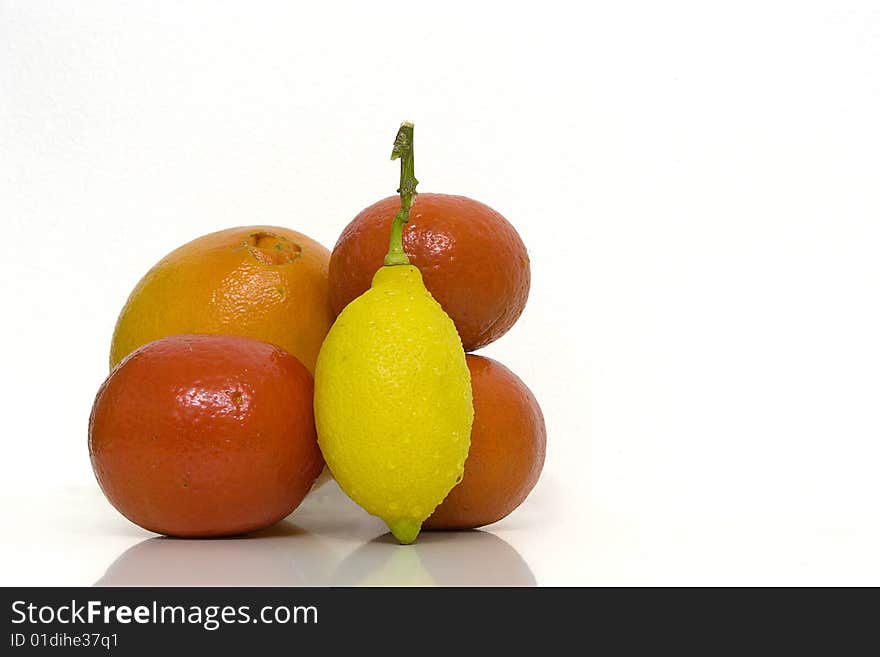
(472, 261)
(200, 435)
(508, 442)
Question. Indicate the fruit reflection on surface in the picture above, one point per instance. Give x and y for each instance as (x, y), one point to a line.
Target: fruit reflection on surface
(471, 558)
(472, 259)
(198, 435)
(392, 389)
(282, 555)
(508, 442)
(329, 541)
(263, 282)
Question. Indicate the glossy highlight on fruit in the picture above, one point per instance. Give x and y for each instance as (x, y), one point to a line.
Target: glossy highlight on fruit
(201, 435)
(263, 282)
(472, 260)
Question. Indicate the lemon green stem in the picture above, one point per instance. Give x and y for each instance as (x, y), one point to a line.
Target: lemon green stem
(403, 150)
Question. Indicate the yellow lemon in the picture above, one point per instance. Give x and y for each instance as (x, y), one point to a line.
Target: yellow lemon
(393, 403)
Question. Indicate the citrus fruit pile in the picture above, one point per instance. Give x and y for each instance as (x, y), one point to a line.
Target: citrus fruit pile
(245, 359)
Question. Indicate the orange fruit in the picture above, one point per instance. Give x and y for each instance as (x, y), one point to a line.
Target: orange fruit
(201, 435)
(472, 260)
(261, 282)
(508, 441)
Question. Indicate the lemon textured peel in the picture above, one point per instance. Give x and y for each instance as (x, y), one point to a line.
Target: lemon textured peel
(393, 404)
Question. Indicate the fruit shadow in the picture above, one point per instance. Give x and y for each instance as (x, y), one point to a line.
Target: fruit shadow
(281, 555)
(461, 558)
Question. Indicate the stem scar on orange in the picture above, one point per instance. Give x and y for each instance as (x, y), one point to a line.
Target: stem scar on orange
(263, 282)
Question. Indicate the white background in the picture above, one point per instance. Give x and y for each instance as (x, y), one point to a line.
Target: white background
(699, 190)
